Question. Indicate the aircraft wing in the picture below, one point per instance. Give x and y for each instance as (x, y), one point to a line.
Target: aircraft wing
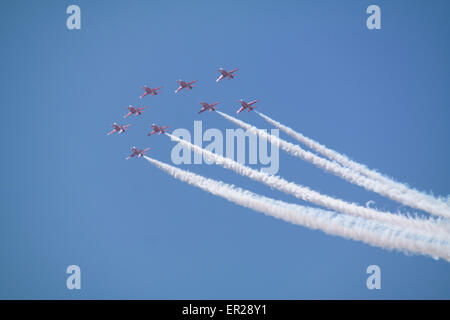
(128, 114)
(240, 110)
(112, 131)
(220, 78)
(234, 70)
(179, 88)
(192, 82)
(153, 132)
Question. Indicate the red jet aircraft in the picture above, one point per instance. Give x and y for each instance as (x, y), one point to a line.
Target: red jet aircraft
(246, 105)
(206, 106)
(157, 129)
(137, 152)
(133, 110)
(184, 84)
(149, 90)
(224, 74)
(118, 128)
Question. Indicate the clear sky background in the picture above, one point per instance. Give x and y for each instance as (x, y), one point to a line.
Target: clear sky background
(69, 196)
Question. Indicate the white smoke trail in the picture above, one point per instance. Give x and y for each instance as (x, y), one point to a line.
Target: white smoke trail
(345, 226)
(420, 225)
(440, 204)
(340, 171)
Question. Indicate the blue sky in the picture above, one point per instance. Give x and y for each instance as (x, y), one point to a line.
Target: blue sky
(69, 197)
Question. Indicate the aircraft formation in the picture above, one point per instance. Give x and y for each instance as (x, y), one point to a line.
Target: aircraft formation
(182, 85)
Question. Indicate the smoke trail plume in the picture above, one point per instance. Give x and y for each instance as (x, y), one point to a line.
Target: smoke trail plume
(345, 226)
(438, 204)
(340, 171)
(420, 225)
